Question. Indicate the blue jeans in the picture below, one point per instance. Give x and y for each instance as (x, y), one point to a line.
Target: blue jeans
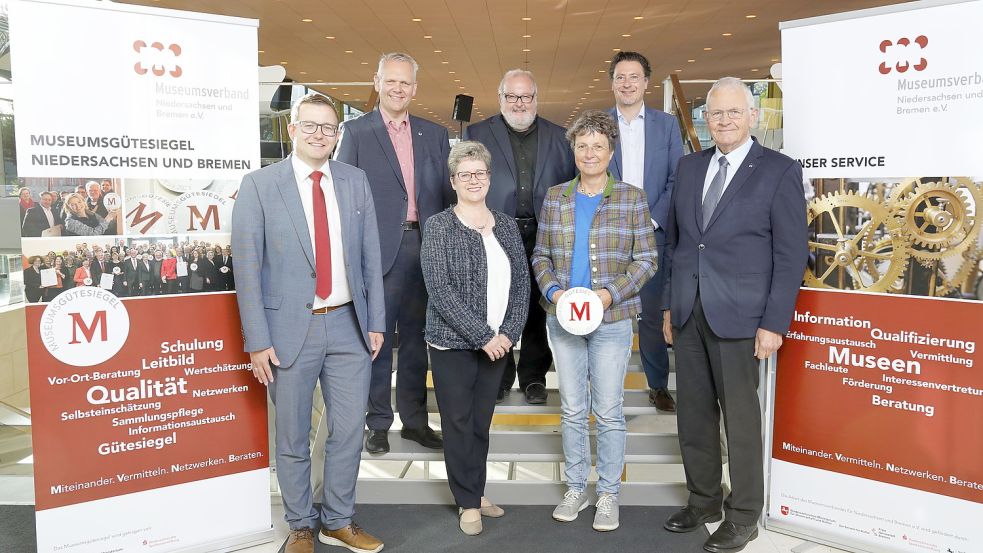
(591, 371)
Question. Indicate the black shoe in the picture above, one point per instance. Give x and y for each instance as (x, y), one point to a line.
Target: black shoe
(690, 518)
(502, 393)
(424, 436)
(377, 442)
(662, 400)
(536, 394)
(730, 537)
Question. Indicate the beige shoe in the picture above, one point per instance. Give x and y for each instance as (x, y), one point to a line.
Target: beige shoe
(300, 541)
(351, 537)
(489, 509)
(471, 528)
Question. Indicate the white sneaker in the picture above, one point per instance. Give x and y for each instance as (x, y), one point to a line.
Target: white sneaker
(568, 509)
(606, 517)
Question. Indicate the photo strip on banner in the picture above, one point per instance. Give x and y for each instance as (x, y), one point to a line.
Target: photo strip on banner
(149, 430)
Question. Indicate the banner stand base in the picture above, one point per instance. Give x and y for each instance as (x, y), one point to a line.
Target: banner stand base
(812, 540)
(233, 543)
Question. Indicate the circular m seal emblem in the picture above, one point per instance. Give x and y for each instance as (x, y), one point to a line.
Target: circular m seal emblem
(579, 311)
(85, 326)
(146, 214)
(199, 211)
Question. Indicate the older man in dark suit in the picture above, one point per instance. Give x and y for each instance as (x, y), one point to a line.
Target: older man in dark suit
(529, 155)
(736, 249)
(405, 158)
(43, 216)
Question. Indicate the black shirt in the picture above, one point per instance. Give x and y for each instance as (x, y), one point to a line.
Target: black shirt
(524, 146)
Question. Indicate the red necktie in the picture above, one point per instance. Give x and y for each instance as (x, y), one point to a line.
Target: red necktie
(322, 241)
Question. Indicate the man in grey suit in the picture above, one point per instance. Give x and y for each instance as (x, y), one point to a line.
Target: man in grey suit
(529, 155)
(648, 148)
(405, 158)
(736, 248)
(311, 303)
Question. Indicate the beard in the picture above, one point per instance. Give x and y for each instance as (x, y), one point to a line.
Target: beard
(519, 121)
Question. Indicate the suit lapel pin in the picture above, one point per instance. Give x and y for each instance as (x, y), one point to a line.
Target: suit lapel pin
(419, 133)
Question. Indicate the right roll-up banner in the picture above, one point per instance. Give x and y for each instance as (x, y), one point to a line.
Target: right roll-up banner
(877, 435)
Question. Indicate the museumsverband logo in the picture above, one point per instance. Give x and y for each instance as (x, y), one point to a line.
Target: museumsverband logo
(156, 59)
(906, 54)
(84, 326)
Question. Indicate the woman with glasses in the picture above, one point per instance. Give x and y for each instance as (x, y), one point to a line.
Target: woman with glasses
(594, 232)
(474, 267)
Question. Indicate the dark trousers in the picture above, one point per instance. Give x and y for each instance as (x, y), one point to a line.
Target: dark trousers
(651, 344)
(466, 383)
(536, 357)
(406, 311)
(715, 375)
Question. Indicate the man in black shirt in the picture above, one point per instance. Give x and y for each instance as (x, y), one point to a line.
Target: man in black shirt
(529, 155)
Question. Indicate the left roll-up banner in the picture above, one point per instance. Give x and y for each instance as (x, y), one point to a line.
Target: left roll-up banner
(134, 126)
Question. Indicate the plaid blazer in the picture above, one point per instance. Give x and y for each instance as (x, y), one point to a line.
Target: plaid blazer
(622, 245)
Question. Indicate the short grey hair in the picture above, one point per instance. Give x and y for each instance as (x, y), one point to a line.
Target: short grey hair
(397, 56)
(468, 150)
(594, 121)
(314, 98)
(732, 82)
(516, 73)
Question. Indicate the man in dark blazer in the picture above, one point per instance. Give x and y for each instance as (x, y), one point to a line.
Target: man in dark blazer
(311, 304)
(649, 146)
(529, 155)
(736, 248)
(405, 158)
(131, 271)
(99, 266)
(226, 276)
(41, 217)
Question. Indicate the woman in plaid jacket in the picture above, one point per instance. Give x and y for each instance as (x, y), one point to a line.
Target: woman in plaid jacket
(594, 232)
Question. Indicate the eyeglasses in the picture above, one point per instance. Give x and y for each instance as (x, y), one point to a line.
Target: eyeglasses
(633, 78)
(310, 127)
(513, 98)
(596, 148)
(466, 176)
(732, 114)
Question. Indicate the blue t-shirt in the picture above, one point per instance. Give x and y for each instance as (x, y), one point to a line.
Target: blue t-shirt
(585, 207)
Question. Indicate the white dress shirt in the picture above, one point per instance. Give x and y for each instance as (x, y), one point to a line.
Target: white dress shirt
(632, 137)
(498, 283)
(734, 159)
(49, 215)
(341, 292)
(633, 148)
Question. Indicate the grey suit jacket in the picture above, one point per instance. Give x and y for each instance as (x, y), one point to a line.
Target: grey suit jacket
(365, 143)
(274, 254)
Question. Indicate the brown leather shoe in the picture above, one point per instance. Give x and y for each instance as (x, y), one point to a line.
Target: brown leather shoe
(351, 537)
(300, 541)
(662, 400)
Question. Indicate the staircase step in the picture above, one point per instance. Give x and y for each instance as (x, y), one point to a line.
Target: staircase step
(636, 403)
(538, 447)
(511, 492)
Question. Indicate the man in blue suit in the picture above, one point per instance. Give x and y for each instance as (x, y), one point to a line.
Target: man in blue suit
(649, 146)
(736, 249)
(311, 303)
(529, 155)
(405, 158)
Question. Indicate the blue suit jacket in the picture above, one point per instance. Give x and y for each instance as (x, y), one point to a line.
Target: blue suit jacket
(365, 143)
(275, 257)
(749, 262)
(554, 162)
(663, 148)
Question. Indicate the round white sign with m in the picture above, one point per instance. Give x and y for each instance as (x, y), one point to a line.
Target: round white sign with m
(85, 326)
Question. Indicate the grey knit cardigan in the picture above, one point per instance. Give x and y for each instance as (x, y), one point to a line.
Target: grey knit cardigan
(455, 269)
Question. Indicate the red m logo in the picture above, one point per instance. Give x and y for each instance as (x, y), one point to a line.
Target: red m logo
(579, 314)
(140, 217)
(211, 212)
(99, 320)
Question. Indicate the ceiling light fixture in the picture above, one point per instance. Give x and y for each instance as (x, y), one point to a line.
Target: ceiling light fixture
(305, 20)
(727, 34)
(349, 51)
(637, 17)
(526, 36)
(625, 36)
(691, 61)
(707, 49)
(750, 16)
(526, 50)
(527, 19)
(428, 36)
(262, 51)
(416, 19)
(616, 49)
(445, 62)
